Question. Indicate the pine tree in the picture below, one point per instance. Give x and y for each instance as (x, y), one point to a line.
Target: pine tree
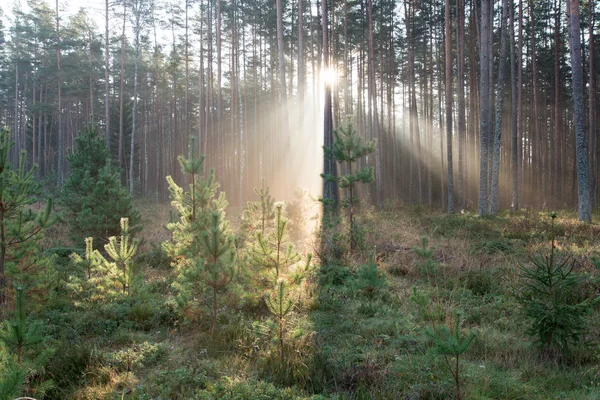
(428, 266)
(259, 214)
(203, 244)
(218, 248)
(89, 268)
(193, 206)
(273, 251)
(16, 335)
(122, 251)
(93, 195)
(20, 227)
(450, 343)
(280, 304)
(347, 149)
(19, 336)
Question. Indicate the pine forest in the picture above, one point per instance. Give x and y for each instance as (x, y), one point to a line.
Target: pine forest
(299, 199)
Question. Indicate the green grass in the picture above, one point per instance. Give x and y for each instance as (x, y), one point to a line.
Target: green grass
(342, 343)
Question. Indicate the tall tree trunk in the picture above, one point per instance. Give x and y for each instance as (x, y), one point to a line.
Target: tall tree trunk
(537, 160)
(373, 107)
(283, 152)
(460, 89)
(60, 131)
(121, 90)
(329, 167)
(137, 15)
(484, 101)
(583, 194)
(495, 195)
(106, 81)
(513, 113)
(592, 109)
(448, 103)
(557, 192)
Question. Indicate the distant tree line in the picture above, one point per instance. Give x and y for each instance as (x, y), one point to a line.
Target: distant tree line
(474, 104)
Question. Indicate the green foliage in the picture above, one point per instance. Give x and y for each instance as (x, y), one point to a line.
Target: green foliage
(557, 317)
(348, 149)
(273, 252)
(122, 251)
(24, 340)
(203, 245)
(194, 208)
(20, 227)
(16, 334)
(296, 212)
(12, 380)
(428, 266)
(280, 304)
(369, 282)
(450, 343)
(93, 196)
(259, 215)
(218, 248)
(428, 312)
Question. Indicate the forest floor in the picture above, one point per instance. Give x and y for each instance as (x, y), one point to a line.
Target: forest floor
(341, 343)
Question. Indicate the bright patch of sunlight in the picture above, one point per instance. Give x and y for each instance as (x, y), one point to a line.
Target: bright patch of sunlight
(329, 76)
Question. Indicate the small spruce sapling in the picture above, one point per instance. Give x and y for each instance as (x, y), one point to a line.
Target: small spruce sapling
(557, 316)
(280, 303)
(348, 149)
(449, 343)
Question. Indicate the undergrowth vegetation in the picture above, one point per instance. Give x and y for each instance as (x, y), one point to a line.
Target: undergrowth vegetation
(408, 304)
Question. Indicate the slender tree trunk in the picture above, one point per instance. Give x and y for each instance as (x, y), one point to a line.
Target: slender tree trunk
(283, 152)
(329, 168)
(106, 80)
(495, 195)
(484, 113)
(537, 160)
(557, 192)
(60, 131)
(592, 109)
(448, 103)
(513, 112)
(373, 107)
(138, 8)
(583, 194)
(460, 41)
(121, 91)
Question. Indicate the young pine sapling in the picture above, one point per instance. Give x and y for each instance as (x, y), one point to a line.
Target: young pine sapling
(273, 251)
(122, 251)
(280, 304)
(557, 316)
(347, 149)
(450, 343)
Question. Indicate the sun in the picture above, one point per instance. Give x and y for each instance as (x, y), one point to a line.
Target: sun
(329, 76)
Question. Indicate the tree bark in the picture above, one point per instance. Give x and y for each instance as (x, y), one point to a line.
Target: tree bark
(583, 194)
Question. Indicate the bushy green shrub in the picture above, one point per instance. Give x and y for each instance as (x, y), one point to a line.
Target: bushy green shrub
(93, 196)
(557, 318)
